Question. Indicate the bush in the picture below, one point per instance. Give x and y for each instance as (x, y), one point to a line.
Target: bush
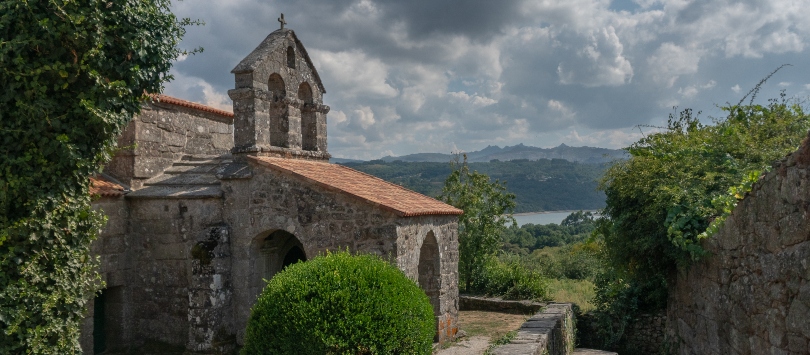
(510, 279)
(341, 304)
(574, 261)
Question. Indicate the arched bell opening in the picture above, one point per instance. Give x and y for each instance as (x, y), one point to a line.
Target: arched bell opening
(278, 111)
(309, 122)
(430, 272)
(275, 85)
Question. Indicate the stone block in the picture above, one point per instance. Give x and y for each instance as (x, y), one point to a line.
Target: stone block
(175, 139)
(148, 133)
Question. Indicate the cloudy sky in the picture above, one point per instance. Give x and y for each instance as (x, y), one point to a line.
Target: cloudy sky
(440, 75)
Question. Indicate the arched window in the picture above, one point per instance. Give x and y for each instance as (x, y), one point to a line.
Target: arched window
(309, 121)
(290, 57)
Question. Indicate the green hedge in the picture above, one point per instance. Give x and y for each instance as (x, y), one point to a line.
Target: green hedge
(510, 279)
(341, 304)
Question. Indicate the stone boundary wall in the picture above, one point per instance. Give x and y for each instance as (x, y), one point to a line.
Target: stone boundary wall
(645, 335)
(751, 295)
(497, 304)
(550, 331)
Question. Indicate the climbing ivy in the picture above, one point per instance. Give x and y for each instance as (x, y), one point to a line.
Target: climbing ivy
(73, 73)
(677, 188)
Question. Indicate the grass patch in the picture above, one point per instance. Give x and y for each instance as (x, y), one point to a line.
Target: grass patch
(580, 292)
(490, 324)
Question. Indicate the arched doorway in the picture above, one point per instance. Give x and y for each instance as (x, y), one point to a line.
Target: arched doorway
(430, 271)
(279, 250)
(293, 256)
(309, 122)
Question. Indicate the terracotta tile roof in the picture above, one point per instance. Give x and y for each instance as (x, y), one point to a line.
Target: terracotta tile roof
(403, 202)
(192, 105)
(103, 187)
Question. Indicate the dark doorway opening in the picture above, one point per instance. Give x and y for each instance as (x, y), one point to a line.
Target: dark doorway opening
(293, 256)
(99, 336)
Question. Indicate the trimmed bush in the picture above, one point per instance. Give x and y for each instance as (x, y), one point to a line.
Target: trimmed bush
(341, 304)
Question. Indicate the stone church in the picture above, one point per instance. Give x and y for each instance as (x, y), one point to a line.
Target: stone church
(205, 204)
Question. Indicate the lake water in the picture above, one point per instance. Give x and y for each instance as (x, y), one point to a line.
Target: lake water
(542, 217)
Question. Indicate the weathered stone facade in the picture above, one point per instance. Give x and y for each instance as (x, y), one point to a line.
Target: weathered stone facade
(752, 294)
(163, 133)
(217, 203)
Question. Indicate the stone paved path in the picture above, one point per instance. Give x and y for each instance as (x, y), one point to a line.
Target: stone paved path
(592, 352)
(475, 345)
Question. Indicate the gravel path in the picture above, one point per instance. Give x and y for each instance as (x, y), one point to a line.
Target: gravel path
(468, 346)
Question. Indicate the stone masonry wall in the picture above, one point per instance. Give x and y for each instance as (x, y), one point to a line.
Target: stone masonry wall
(645, 334)
(111, 247)
(164, 133)
(411, 234)
(179, 257)
(752, 294)
(549, 332)
(321, 220)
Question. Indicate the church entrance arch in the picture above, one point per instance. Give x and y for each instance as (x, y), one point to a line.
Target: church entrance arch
(429, 271)
(279, 249)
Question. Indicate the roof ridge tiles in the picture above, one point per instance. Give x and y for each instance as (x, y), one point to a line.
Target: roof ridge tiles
(402, 201)
(188, 104)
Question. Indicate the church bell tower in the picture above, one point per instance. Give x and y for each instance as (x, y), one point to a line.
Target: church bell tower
(278, 101)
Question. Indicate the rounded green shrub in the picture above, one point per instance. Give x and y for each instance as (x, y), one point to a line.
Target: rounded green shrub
(341, 304)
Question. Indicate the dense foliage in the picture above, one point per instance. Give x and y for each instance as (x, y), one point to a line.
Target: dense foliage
(541, 185)
(73, 75)
(661, 201)
(487, 209)
(341, 304)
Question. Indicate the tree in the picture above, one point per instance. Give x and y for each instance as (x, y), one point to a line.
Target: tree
(73, 73)
(487, 209)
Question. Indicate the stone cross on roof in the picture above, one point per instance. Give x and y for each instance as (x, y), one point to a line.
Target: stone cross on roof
(282, 21)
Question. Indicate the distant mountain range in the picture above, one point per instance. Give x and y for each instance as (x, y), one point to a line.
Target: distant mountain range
(587, 155)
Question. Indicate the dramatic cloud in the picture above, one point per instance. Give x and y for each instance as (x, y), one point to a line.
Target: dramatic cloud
(441, 75)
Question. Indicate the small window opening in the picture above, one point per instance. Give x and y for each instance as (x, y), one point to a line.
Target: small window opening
(291, 57)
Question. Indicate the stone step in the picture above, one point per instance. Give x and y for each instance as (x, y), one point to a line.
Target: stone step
(178, 192)
(191, 168)
(201, 157)
(182, 180)
(200, 162)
